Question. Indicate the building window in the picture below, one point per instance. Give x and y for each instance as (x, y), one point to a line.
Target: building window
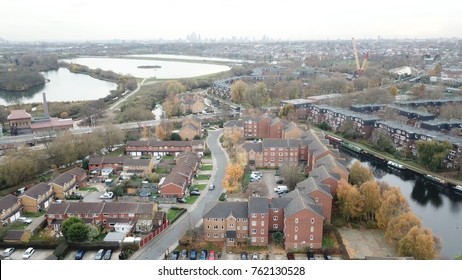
(262, 239)
(312, 220)
(238, 227)
(215, 235)
(215, 227)
(254, 215)
(275, 210)
(262, 231)
(215, 219)
(238, 235)
(254, 239)
(311, 237)
(222, 235)
(262, 223)
(244, 227)
(231, 239)
(296, 229)
(295, 237)
(208, 219)
(222, 227)
(254, 223)
(275, 226)
(316, 199)
(254, 231)
(244, 220)
(231, 225)
(312, 229)
(296, 220)
(275, 218)
(208, 227)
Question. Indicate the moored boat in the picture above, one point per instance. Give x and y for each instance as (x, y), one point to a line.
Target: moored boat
(435, 179)
(395, 165)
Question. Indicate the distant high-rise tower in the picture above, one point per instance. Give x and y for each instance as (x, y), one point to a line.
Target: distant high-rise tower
(45, 105)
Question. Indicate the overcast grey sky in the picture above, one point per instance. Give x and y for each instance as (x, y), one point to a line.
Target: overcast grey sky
(69, 20)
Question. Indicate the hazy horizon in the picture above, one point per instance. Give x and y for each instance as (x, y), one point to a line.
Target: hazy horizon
(291, 20)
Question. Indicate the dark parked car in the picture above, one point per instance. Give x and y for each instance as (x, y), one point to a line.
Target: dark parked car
(203, 255)
(181, 200)
(327, 255)
(107, 255)
(310, 255)
(175, 255)
(80, 254)
(290, 256)
(280, 181)
(244, 256)
(193, 254)
(195, 191)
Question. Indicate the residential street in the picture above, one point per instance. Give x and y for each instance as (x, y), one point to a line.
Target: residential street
(168, 240)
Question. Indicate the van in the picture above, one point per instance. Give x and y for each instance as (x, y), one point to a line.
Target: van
(281, 189)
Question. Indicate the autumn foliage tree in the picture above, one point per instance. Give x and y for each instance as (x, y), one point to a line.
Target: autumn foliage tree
(393, 204)
(400, 225)
(237, 91)
(360, 174)
(351, 201)
(233, 177)
(420, 244)
(370, 191)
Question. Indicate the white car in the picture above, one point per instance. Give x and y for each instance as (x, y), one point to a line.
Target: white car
(29, 252)
(107, 195)
(8, 252)
(24, 220)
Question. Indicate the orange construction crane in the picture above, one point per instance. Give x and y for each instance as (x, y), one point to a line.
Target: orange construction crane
(359, 68)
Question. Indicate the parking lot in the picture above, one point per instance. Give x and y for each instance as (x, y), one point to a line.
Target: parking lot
(90, 255)
(39, 254)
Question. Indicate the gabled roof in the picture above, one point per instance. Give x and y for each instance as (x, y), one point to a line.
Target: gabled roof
(120, 207)
(321, 173)
(238, 123)
(77, 171)
(136, 162)
(63, 179)
(309, 185)
(37, 190)
(85, 208)
(280, 143)
(222, 210)
(299, 202)
(256, 147)
(330, 162)
(258, 205)
(57, 208)
(174, 178)
(7, 202)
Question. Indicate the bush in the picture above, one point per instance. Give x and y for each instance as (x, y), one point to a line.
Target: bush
(61, 250)
(222, 197)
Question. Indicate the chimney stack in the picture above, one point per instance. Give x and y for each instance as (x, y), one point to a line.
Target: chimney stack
(45, 105)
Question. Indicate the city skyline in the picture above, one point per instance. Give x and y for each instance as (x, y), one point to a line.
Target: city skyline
(82, 20)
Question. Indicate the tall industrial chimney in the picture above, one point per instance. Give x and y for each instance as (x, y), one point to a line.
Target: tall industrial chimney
(45, 105)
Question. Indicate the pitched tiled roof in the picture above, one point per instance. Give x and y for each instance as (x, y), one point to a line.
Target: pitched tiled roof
(299, 202)
(37, 190)
(321, 173)
(57, 208)
(280, 143)
(310, 185)
(85, 208)
(7, 202)
(121, 207)
(258, 205)
(136, 162)
(18, 114)
(250, 146)
(63, 179)
(224, 209)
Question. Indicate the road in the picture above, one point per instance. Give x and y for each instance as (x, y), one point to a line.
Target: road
(168, 240)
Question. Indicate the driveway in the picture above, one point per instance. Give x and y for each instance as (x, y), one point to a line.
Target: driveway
(362, 243)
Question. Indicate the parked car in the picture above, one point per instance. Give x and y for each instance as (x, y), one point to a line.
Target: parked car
(8, 252)
(310, 255)
(175, 255)
(212, 187)
(203, 255)
(212, 255)
(99, 255)
(24, 220)
(327, 255)
(107, 195)
(184, 254)
(195, 191)
(255, 256)
(244, 256)
(80, 254)
(107, 255)
(181, 200)
(290, 256)
(28, 253)
(193, 254)
(158, 157)
(280, 181)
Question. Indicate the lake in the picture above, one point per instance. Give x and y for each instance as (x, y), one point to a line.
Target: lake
(191, 57)
(67, 86)
(168, 70)
(440, 210)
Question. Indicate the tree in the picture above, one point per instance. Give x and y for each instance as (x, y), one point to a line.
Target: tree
(278, 237)
(93, 232)
(348, 129)
(67, 225)
(233, 177)
(370, 191)
(382, 141)
(78, 232)
(175, 87)
(237, 91)
(111, 136)
(360, 174)
(64, 115)
(62, 150)
(420, 244)
(175, 137)
(292, 174)
(393, 204)
(400, 225)
(353, 203)
(393, 90)
(164, 130)
(432, 153)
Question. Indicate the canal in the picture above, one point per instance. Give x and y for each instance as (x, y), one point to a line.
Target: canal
(440, 208)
